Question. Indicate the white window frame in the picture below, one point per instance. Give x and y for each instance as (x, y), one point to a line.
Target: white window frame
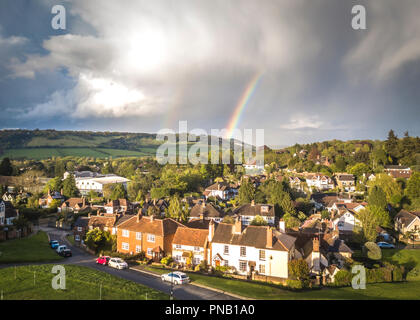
(241, 263)
(240, 251)
(151, 238)
(138, 235)
(125, 233)
(80, 229)
(150, 251)
(138, 248)
(125, 246)
(226, 250)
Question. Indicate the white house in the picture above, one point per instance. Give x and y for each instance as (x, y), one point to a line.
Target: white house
(189, 243)
(7, 213)
(206, 211)
(248, 212)
(319, 181)
(346, 221)
(220, 190)
(255, 249)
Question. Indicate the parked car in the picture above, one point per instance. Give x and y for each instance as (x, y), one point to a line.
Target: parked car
(117, 263)
(385, 245)
(66, 253)
(61, 248)
(103, 260)
(54, 244)
(176, 277)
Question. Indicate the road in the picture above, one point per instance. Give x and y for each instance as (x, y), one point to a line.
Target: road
(181, 292)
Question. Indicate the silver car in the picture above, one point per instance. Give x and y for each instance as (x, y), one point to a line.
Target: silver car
(175, 277)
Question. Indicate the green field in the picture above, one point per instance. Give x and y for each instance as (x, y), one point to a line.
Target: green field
(409, 290)
(45, 153)
(32, 249)
(81, 283)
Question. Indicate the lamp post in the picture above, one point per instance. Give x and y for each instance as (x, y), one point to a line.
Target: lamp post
(171, 295)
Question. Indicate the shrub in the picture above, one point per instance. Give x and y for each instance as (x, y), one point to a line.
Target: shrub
(415, 272)
(343, 278)
(298, 269)
(372, 251)
(166, 260)
(294, 284)
(397, 274)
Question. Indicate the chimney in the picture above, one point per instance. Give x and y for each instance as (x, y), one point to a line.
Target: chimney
(282, 226)
(218, 186)
(315, 244)
(139, 216)
(203, 204)
(154, 202)
(201, 216)
(269, 242)
(237, 227)
(49, 191)
(152, 217)
(89, 215)
(211, 230)
(252, 203)
(61, 191)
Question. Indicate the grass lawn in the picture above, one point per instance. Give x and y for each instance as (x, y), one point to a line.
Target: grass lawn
(81, 283)
(32, 249)
(255, 290)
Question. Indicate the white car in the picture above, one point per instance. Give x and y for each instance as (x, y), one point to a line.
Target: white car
(176, 277)
(61, 248)
(117, 263)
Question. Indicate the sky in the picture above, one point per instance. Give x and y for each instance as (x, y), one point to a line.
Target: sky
(142, 66)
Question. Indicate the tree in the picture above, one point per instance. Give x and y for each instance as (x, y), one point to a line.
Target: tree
(177, 210)
(228, 220)
(6, 168)
(69, 187)
(55, 184)
(20, 222)
(387, 184)
(97, 239)
(391, 145)
(118, 192)
(340, 164)
(158, 193)
(92, 195)
(413, 186)
(299, 269)
(246, 192)
(258, 221)
(59, 169)
(359, 169)
(372, 251)
(153, 211)
(377, 197)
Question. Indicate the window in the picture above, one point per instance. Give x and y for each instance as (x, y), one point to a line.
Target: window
(149, 251)
(178, 258)
(178, 246)
(138, 249)
(105, 228)
(196, 261)
(151, 238)
(242, 266)
(262, 254)
(125, 233)
(77, 237)
(79, 229)
(226, 251)
(138, 235)
(226, 263)
(262, 269)
(125, 246)
(243, 251)
(196, 248)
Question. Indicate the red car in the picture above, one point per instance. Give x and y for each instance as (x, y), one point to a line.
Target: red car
(103, 260)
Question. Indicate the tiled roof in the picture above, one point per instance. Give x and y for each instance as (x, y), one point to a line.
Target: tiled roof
(406, 217)
(208, 211)
(82, 222)
(256, 209)
(148, 225)
(102, 221)
(190, 237)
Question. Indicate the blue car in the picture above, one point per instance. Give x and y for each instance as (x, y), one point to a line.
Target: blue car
(385, 245)
(54, 244)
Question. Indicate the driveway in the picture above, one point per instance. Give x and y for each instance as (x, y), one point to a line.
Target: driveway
(181, 292)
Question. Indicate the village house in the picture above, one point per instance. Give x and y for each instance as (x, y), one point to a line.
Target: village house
(119, 206)
(80, 228)
(319, 182)
(254, 165)
(408, 222)
(296, 183)
(190, 246)
(74, 205)
(46, 200)
(346, 182)
(7, 213)
(148, 234)
(160, 205)
(249, 211)
(221, 190)
(336, 206)
(345, 220)
(206, 211)
(256, 249)
(398, 171)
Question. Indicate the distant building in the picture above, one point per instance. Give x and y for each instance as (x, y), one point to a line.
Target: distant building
(248, 212)
(97, 183)
(319, 181)
(398, 171)
(346, 182)
(7, 213)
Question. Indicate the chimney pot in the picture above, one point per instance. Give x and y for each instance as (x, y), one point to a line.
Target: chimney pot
(253, 203)
(269, 243)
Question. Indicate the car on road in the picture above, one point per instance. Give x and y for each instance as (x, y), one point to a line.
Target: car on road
(61, 248)
(54, 244)
(117, 263)
(385, 245)
(103, 260)
(66, 253)
(176, 277)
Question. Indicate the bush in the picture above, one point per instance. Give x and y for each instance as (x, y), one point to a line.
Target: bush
(125, 256)
(343, 278)
(372, 251)
(298, 269)
(166, 260)
(294, 284)
(397, 274)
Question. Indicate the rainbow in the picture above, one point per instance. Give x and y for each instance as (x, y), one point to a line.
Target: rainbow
(242, 103)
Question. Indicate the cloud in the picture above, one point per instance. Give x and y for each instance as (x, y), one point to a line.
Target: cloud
(302, 121)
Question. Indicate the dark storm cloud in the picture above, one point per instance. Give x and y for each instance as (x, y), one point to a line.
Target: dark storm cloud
(145, 65)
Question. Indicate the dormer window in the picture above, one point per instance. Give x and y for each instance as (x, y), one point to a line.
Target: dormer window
(264, 208)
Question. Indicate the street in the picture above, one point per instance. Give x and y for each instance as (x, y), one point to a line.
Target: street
(181, 292)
